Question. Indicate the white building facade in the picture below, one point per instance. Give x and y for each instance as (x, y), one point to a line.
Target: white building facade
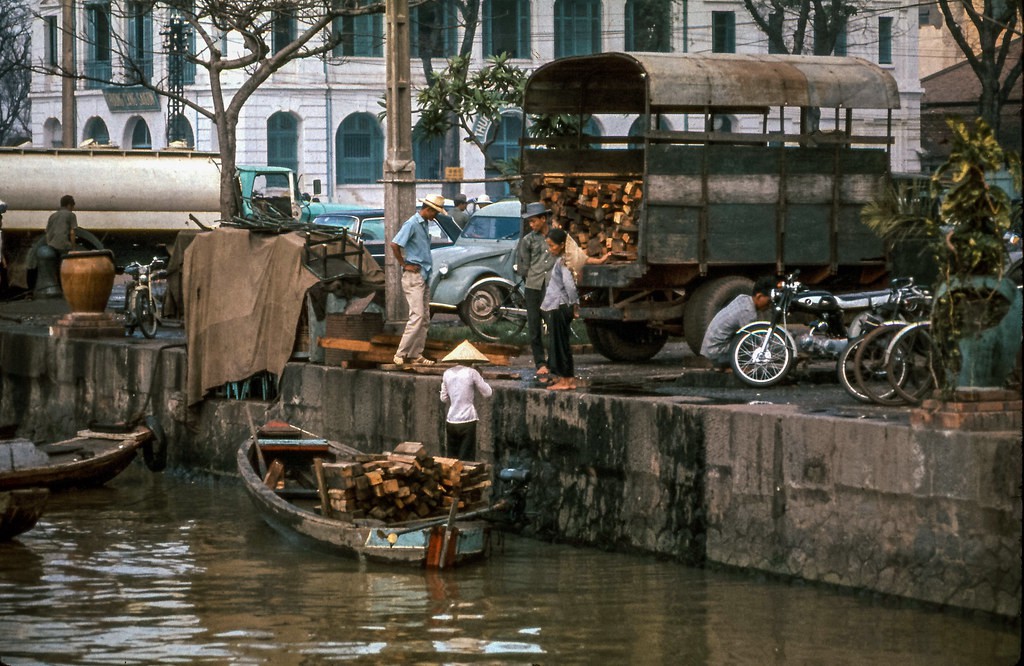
(321, 117)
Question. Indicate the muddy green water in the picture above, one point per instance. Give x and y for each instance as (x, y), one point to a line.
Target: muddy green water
(161, 569)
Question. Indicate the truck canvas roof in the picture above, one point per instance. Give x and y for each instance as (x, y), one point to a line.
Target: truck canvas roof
(679, 83)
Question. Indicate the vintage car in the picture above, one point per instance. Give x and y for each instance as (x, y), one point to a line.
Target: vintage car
(475, 274)
(368, 226)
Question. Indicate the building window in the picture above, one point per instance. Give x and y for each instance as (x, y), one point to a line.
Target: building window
(96, 130)
(180, 18)
(639, 128)
(775, 26)
(179, 129)
(139, 38)
(282, 145)
(432, 30)
(577, 27)
(428, 152)
(359, 150)
(52, 54)
(504, 149)
(723, 32)
(360, 36)
(283, 32)
(53, 133)
(506, 28)
(141, 138)
(648, 26)
(885, 40)
(840, 47)
(97, 49)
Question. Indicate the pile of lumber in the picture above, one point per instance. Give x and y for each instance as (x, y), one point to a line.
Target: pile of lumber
(381, 349)
(408, 484)
(601, 215)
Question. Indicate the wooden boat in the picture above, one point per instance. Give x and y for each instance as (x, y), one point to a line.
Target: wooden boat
(292, 497)
(90, 459)
(20, 510)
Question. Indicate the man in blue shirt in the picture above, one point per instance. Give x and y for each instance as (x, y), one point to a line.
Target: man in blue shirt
(411, 246)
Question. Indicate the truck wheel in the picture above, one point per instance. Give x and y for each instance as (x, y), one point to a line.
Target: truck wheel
(705, 303)
(627, 341)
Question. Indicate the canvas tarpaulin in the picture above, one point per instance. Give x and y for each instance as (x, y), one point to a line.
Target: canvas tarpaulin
(243, 294)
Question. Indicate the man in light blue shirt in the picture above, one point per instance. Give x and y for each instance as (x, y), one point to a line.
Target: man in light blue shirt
(411, 246)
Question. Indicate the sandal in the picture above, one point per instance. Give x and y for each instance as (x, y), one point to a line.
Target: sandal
(422, 360)
(563, 385)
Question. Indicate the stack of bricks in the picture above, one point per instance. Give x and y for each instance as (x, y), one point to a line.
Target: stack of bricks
(601, 215)
(973, 409)
(407, 484)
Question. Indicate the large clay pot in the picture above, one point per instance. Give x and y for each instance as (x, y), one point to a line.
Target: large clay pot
(87, 278)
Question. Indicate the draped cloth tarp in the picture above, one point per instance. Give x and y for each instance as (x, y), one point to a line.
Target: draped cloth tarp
(243, 295)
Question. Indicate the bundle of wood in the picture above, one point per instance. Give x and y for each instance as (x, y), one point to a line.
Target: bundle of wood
(601, 215)
(407, 484)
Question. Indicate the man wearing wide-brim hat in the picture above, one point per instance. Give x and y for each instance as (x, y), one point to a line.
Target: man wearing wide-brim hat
(533, 263)
(459, 386)
(411, 247)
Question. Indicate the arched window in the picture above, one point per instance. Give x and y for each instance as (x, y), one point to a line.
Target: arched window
(139, 137)
(505, 148)
(53, 133)
(96, 130)
(359, 150)
(639, 128)
(428, 151)
(179, 129)
(648, 26)
(577, 27)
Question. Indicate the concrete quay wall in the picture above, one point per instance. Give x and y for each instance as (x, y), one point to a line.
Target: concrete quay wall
(924, 514)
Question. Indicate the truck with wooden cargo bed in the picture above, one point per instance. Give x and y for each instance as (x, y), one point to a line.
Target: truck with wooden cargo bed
(133, 201)
(744, 166)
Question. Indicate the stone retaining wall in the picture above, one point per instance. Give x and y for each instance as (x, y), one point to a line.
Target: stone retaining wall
(925, 514)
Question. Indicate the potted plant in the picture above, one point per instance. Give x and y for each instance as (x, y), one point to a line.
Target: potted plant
(976, 315)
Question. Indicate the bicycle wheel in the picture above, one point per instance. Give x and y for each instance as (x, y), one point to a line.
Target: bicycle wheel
(760, 364)
(145, 315)
(494, 312)
(845, 372)
(869, 365)
(909, 366)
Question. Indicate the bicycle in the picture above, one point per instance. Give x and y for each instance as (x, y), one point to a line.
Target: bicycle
(143, 307)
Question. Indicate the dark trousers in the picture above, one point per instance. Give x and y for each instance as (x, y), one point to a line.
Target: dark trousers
(559, 333)
(461, 440)
(534, 325)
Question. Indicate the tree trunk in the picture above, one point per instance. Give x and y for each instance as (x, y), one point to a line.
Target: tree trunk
(229, 193)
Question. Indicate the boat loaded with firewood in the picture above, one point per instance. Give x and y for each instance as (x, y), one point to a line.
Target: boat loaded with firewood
(90, 459)
(402, 507)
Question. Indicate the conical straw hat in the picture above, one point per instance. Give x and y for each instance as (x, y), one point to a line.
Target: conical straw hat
(465, 353)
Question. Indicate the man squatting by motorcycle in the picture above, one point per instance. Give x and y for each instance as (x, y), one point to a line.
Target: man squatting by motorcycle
(723, 327)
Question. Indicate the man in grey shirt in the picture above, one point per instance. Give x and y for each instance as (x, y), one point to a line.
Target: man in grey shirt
(734, 316)
(533, 263)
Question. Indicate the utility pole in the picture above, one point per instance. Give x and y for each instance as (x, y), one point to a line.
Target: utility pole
(399, 168)
(68, 125)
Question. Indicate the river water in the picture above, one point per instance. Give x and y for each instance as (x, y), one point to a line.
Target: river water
(167, 569)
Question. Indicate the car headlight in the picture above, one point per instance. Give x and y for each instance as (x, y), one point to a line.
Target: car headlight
(442, 270)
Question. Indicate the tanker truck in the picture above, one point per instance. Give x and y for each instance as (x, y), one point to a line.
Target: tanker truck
(738, 166)
(133, 201)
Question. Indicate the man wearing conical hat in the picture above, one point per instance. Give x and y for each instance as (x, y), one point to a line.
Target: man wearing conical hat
(459, 386)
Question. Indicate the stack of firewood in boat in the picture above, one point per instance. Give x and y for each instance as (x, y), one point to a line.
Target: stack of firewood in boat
(601, 215)
(407, 484)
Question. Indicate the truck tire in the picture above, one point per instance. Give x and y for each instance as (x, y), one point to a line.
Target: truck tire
(627, 341)
(705, 303)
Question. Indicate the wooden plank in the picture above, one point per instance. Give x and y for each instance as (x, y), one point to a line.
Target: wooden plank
(325, 502)
(274, 474)
(345, 344)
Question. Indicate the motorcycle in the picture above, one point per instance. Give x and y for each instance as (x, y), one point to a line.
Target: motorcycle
(142, 303)
(764, 352)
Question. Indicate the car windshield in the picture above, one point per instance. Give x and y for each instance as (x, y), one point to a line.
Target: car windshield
(492, 227)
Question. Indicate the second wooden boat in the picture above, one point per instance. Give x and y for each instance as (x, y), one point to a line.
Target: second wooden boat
(20, 510)
(90, 459)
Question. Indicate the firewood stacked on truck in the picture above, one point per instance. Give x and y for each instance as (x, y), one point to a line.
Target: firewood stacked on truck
(600, 215)
(407, 484)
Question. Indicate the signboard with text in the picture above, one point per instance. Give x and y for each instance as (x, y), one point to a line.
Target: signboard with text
(127, 100)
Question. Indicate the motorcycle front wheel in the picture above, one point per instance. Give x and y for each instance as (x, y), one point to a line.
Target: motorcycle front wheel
(145, 315)
(758, 364)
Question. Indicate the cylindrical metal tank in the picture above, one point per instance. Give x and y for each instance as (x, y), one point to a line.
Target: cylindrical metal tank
(114, 190)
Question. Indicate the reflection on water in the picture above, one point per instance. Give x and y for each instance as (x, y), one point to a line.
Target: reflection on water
(162, 569)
